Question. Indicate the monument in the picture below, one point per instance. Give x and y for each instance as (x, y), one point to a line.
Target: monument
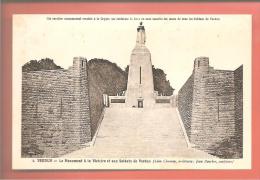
(140, 87)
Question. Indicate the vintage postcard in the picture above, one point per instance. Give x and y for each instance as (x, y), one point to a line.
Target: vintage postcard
(131, 91)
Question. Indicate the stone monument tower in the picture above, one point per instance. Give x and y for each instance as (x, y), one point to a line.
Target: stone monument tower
(140, 87)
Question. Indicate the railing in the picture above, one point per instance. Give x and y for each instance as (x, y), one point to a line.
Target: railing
(116, 100)
(163, 101)
(170, 100)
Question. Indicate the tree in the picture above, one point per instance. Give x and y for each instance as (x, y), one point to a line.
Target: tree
(161, 84)
(43, 64)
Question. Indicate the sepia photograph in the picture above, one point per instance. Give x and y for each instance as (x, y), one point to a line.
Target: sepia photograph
(131, 91)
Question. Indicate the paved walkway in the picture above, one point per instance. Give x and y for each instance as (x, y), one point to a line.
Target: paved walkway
(133, 133)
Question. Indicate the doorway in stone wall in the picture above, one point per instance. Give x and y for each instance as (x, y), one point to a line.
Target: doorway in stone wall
(140, 104)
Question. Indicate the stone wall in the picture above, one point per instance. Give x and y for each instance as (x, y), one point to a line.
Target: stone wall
(96, 102)
(185, 99)
(210, 108)
(213, 108)
(238, 77)
(55, 111)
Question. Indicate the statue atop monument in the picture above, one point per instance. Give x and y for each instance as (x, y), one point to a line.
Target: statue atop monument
(141, 38)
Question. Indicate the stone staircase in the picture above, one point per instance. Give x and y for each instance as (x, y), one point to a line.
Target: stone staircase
(133, 132)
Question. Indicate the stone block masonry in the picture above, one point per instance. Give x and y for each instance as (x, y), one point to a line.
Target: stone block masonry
(185, 103)
(238, 78)
(211, 107)
(96, 100)
(55, 111)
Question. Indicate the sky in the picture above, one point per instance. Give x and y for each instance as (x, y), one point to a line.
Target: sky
(173, 40)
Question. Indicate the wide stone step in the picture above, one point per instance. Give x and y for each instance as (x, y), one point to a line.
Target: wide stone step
(133, 132)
